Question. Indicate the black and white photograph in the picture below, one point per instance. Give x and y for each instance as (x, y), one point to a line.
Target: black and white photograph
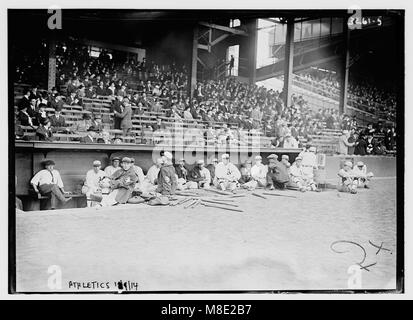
(206, 150)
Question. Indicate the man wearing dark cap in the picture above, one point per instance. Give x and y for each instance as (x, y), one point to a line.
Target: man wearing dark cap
(199, 176)
(44, 131)
(246, 180)
(109, 170)
(277, 175)
(48, 182)
(121, 185)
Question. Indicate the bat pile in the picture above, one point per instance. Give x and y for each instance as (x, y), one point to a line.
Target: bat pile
(222, 200)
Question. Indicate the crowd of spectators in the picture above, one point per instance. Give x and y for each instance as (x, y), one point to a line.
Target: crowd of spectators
(135, 87)
(362, 94)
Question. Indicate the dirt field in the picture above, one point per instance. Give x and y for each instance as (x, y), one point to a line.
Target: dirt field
(275, 244)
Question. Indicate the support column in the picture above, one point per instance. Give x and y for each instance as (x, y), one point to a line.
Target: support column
(345, 66)
(51, 77)
(253, 38)
(194, 61)
(289, 62)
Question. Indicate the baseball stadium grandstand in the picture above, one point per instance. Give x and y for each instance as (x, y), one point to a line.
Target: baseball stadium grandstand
(153, 90)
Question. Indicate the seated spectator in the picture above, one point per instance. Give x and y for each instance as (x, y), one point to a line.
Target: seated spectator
(73, 99)
(92, 186)
(90, 92)
(101, 90)
(23, 116)
(82, 125)
(25, 101)
(57, 120)
(112, 89)
(91, 136)
(32, 110)
(360, 148)
(56, 103)
(139, 110)
(290, 142)
(41, 114)
(187, 114)
(44, 131)
(371, 144)
(47, 182)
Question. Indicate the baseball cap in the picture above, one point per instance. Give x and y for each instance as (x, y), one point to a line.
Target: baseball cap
(97, 163)
(348, 163)
(168, 155)
(126, 159)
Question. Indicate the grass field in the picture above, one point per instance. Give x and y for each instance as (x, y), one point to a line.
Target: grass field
(275, 244)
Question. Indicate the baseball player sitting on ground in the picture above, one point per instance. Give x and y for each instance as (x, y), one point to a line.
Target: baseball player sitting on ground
(277, 175)
(259, 172)
(246, 180)
(199, 176)
(347, 181)
(226, 175)
(300, 179)
(361, 176)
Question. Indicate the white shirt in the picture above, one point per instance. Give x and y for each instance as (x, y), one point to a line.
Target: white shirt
(47, 177)
(93, 178)
(259, 171)
(309, 159)
(296, 171)
(152, 174)
(290, 143)
(227, 172)
(362, 173)
(205, 174)
(139, 173)
(109, 170)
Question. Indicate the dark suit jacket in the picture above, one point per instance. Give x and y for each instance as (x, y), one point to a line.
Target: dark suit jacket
(43, 134)
(87, 139)
(24, 102)
(24, 119)
(61, 122)
(126, 115)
